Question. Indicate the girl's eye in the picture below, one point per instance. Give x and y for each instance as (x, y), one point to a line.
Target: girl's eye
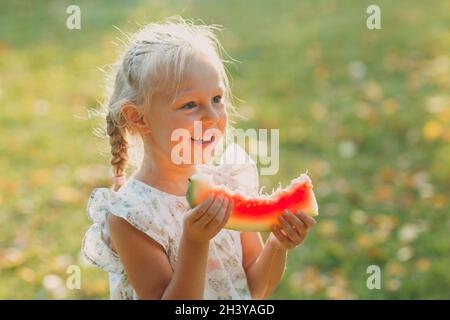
(192, 104)
(189, 105)
(217, 99)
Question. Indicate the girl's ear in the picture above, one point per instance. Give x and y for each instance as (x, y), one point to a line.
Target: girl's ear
(135, 118)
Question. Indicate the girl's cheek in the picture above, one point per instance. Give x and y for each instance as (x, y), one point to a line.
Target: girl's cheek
(223, 115)
(224, 121)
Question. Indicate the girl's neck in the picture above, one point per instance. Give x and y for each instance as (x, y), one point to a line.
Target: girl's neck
(165, 176)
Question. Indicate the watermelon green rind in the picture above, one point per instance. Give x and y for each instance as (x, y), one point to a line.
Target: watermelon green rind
(197, 185)
(189, 195)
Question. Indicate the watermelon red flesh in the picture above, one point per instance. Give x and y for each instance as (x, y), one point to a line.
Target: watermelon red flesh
(258, 213)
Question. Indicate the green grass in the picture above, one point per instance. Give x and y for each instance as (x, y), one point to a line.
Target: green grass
(377, 155)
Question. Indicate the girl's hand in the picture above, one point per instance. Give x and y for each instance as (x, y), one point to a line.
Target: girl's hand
(203, 222)
(291, 230)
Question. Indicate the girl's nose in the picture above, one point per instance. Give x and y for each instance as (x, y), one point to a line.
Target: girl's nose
(210, 115)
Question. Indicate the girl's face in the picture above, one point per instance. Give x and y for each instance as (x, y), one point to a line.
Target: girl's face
(194, 124)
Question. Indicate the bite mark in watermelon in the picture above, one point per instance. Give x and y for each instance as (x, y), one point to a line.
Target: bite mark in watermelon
(260, 212)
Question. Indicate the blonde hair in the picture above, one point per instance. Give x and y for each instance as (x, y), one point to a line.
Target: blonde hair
(154, 60)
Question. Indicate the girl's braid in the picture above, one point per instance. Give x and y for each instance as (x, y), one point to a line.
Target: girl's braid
(119, 151)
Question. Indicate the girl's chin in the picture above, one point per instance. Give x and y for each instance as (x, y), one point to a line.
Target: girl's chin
(206, 159)
(198, 155)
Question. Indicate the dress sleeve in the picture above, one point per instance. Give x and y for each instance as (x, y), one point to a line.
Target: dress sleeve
(96, 247)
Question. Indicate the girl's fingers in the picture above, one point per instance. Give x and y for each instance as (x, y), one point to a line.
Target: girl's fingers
(309, 221)
(298, 224)
(210, 214)
(219, 213)
(227, 215)
(218, 218)
(290, 232)
(281, 237)
(202, 207)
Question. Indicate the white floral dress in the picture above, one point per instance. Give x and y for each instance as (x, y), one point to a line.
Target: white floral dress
(159, 215)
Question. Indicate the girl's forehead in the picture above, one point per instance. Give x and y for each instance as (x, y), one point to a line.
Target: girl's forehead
(203, 78)
(200, 75)
(208, 87)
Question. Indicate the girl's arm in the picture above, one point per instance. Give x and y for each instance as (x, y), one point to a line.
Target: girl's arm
(148, 268)
(264, 265)
(188, 280)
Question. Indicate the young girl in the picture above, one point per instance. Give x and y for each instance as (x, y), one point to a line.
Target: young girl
(144, 234)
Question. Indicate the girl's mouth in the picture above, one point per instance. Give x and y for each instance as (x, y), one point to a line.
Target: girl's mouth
(203, 141)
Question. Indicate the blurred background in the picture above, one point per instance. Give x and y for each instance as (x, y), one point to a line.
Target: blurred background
(366, 112)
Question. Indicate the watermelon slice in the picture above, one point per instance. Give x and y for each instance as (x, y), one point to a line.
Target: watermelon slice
(260, 212)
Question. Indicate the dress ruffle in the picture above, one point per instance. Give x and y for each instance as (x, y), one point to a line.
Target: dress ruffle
(96, 247)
